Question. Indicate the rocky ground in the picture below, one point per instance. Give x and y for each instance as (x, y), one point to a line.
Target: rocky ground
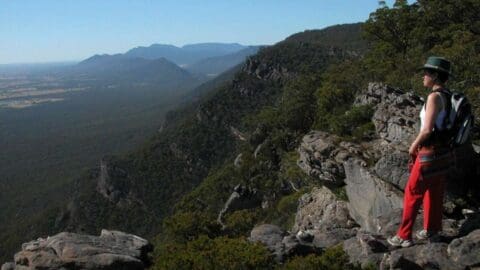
(112, 250)
(374, 175)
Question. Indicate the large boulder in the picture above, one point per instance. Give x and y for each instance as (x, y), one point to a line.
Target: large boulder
(466, 250)
(393, 167)
(320, 210)
(365, 249)
(369, 196)
(111, 250)
(396, 120)
(428, 256)
(322, 219)
(396, 112)
(322, 156)
(282, 244)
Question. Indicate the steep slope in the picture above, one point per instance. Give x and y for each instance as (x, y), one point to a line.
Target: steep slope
(342, 36)
(137, 191)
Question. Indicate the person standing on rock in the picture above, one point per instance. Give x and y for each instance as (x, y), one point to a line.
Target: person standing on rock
(431, 158)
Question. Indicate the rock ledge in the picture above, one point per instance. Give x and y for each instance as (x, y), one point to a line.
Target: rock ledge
(111, 250)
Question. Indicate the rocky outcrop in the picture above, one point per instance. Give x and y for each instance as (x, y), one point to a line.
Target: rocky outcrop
(393, 167)
(322, 219)
(322, 156)
(374, 174)
(369, 196)
(282, 244)
(112, 183)
(466, 250)
(112, 250)
(320, 210)
(265, 71)
(396, 125)
(428, 256)
(396, 112)
(242, 197)
(365, 248)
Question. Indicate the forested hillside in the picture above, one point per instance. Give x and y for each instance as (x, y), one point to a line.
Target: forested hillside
(397, 41)
(244, 134)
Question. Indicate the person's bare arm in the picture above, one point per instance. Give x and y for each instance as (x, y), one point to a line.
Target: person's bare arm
(434, 104)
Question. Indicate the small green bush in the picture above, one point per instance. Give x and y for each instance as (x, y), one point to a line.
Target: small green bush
(219, 253)
(242, 222)
(182, 227)
(332, 259)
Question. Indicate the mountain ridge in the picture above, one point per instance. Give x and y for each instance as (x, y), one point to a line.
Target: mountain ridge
(187, 54)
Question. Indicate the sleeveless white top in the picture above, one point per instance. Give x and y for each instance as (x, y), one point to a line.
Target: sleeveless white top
(440, 117)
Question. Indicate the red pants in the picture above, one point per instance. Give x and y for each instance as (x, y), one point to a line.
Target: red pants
(426, 184)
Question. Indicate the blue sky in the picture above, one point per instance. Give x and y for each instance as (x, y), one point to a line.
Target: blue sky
(63, 30)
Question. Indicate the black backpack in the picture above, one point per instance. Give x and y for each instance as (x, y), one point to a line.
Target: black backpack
(458, 124)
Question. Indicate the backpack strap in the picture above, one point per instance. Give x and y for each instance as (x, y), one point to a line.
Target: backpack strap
(446, 96)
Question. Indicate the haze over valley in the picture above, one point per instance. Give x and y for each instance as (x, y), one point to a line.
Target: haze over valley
(57, 120)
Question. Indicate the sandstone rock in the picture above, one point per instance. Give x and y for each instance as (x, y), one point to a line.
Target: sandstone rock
(264, 71)
(320, 210)
(393, 167)
(322, 155)
(325, 239)
(429, 256)
(112, 182)
(280, 243)
(292, 246)
(365, 249)
(110, 250)
(271, 236)
(322, 219)
(396, 112)
(466, 250)
(369, 196)
(377, 93)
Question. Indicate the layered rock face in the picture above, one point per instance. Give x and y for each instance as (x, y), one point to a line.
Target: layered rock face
(111, 250)
(374, 175)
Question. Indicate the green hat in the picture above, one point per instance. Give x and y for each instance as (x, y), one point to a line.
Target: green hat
(438, 64)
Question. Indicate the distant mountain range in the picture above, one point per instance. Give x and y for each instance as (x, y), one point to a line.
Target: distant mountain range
(122, 69)
(165, 64)
(186, 55)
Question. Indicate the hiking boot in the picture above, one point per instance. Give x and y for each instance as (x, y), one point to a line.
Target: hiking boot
(426, 234)
(397, 241)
